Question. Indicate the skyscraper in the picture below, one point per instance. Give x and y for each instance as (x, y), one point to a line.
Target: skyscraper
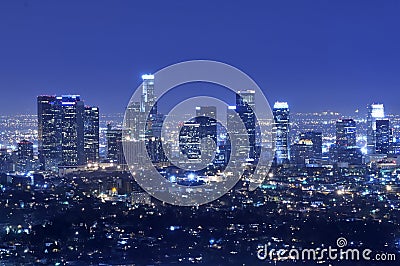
(148, 98)
(375, 111)
(245, 106)
(382, 136)
(316, 139)
(49, 131)
(281, 131)
(346, 133)
(115, 151)
(91, 134)
(301, 152)
(25, 155)
(25, 150)
(308, 148)
(72, 130)
(346, 142)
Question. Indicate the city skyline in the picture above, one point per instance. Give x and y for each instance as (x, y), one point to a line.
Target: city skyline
(200, 132)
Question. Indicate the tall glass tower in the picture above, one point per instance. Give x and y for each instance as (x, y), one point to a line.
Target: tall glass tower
(49, 131)
(245, 105)
(148, 99)
(91, 134)
(375, 111)
(281, 131)
(346, 133)
(382, 136)
(72, 130)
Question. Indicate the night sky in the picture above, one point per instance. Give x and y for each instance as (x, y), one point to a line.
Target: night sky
(317, 55)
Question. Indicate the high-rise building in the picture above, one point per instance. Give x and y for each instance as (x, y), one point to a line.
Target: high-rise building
(91, 134)
(346, 143)
(301, 152)
(245, 107)
(25, 150)
(375, 111)
(281, 131)
(72, 130)
(382, 136)
(308, 148)
(115, 152)
(148, 98)
(206, 117)
(316, 139)
(346, 133)
(25, 160)
(49, 132)
(62, 138)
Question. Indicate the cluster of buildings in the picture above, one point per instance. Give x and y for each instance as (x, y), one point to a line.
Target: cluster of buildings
(68, 136)
(86, 217)
(307, 149)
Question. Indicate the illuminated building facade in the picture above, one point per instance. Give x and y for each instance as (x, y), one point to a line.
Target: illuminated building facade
(346, 133)
(245, 106)
(382, 136)
(375, 111)
(49, 132)
(281, 131)
(72, 130)
(308, 148)
(25, 150)
(346, 143)
(115, 151)
(91, 134)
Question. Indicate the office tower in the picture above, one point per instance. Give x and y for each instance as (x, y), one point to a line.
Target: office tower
(302, 152)
(206, 117)
(308, 148)
(115, 151)
(135, 122)
(154, 126)
(148, 98)
(203, 126)
(382, 136)
(316, 139)
(189, 140)
(240, 140)
(24, 154)
(245, 106)
(49, 132)
(375, 111)
(281, 131)
(72, 130)
(25, 150)
(91, 134)
(6, 162)
(346, 133)
(155, 150)
(346, 141)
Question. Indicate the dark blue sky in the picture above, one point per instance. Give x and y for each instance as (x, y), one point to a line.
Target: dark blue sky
(317, 55)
